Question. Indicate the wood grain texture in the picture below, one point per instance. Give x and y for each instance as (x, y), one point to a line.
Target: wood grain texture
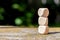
(28, 33)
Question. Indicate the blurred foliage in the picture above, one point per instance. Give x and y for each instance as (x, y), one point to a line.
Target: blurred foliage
(1, 17)
(20, 7)
(1, 12)
(21, 12)
(29, 16)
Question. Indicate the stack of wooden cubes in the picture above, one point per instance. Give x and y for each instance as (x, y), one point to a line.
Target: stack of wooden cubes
(43, 20)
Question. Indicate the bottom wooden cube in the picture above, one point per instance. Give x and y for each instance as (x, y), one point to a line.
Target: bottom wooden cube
(43, 29)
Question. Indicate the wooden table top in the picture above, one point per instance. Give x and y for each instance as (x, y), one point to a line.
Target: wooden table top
(29, 33)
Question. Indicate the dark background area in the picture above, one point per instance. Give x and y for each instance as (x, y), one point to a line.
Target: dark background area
(24, 12)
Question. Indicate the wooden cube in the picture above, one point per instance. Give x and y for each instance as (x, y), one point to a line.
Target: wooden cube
(43, 21)
(43, 29)
(43, 12)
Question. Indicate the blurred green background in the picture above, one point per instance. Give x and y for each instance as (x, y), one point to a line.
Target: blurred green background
(24, 12)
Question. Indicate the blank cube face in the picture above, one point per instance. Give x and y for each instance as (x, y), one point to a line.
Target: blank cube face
(44, 12)
(43, 21)
(43, 29)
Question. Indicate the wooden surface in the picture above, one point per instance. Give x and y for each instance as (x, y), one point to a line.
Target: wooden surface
(17, 29)
(27, 33)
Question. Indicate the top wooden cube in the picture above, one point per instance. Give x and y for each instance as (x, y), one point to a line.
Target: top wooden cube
(43, 12)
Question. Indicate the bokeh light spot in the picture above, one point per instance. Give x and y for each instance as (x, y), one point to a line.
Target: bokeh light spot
(16, 6)
(18, 21)
(57, 2)
(44, 1)
(1, 10)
